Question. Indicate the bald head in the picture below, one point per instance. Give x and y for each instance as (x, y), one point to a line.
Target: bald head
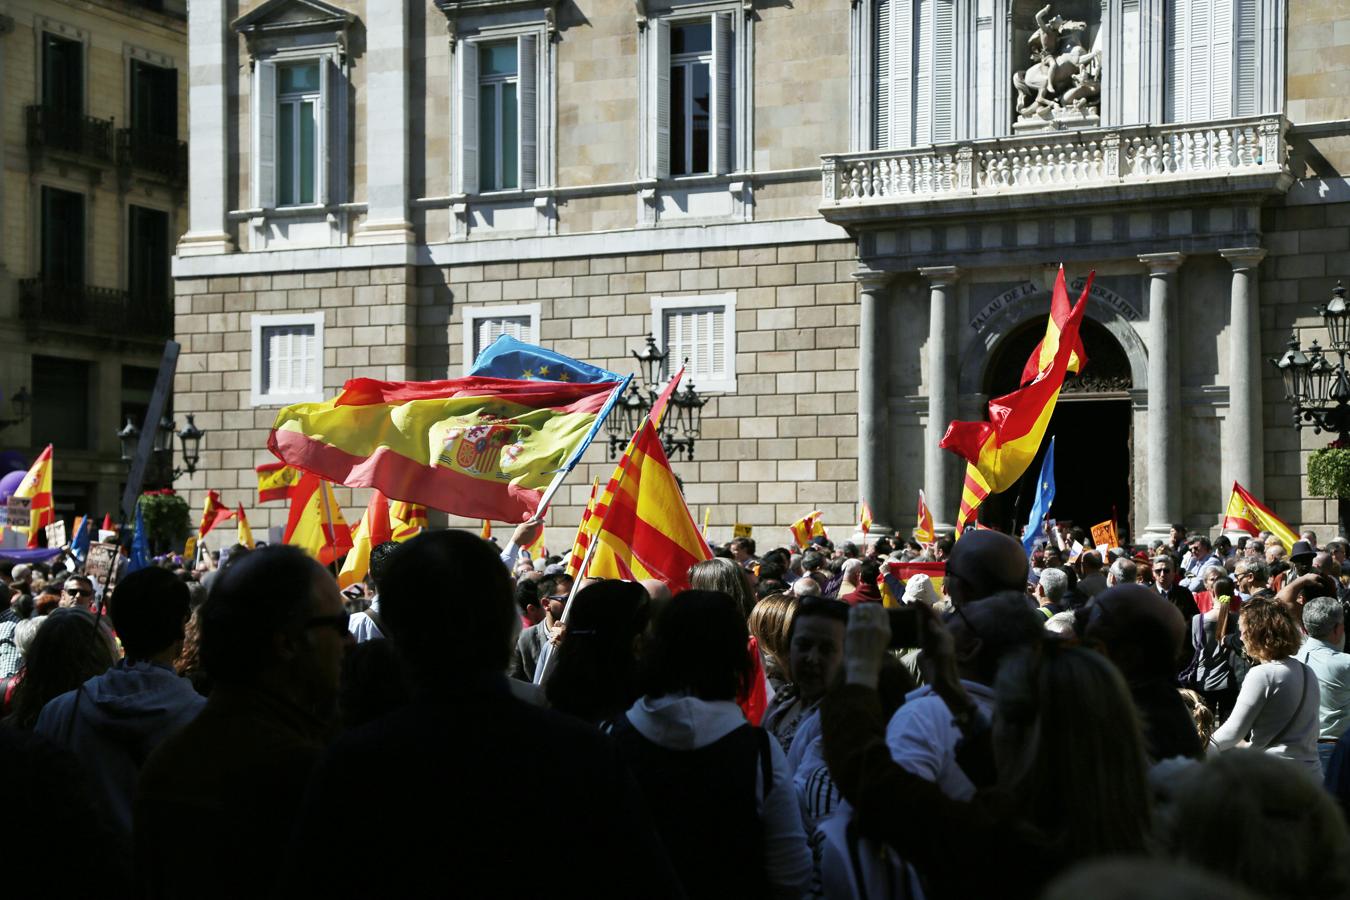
(983, 563)
(1138, 629)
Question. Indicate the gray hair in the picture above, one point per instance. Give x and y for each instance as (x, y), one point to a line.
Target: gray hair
(1053, 584)
(1204, 573)
(1061, 623)
(1321, 615)
(805, 586)
(1256, 567)
(1124, 571)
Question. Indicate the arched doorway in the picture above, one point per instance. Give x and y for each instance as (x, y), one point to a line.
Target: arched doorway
(1092, 430)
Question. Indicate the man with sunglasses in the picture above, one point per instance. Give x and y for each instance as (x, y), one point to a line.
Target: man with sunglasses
(78, 592)
(1165, 583)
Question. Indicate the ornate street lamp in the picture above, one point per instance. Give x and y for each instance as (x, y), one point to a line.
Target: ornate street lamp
(680, 427)
(20, 401)
(130, 438)
(190, 437)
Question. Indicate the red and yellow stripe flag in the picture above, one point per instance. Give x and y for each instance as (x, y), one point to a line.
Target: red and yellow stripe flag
(1044, 355)
(245, 534)
(583, 538)
(372, 531)
(647, 530)
(37, 488)
(408, 520)
(315, 523)
(973, 493)
(1246, 513)
(478, 447)
(214, 511)
(1003, 447)
(805, 528)
(275, 481)
(923, 532)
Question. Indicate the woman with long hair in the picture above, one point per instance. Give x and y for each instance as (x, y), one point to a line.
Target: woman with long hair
(70, 648)
(719, 574)
(595, 674)
(1060, 775)
(771, 627)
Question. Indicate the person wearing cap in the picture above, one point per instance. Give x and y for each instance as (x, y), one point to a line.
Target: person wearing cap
(1301, 556)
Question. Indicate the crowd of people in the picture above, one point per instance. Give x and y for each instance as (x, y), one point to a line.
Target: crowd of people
(1168, 720)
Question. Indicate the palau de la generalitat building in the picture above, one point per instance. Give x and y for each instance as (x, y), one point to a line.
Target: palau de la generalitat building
(846, 215)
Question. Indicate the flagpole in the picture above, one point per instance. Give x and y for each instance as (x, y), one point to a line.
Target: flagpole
(328, 522)
(548, 656)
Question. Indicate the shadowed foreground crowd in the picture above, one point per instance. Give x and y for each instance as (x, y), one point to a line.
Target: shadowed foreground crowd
(773, 731)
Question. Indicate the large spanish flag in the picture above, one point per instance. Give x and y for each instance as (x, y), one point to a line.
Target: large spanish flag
(315, 523)
(1246, 513)
(275, 481)
(373, 530)
(37, 487)
(1044, 355)
(1003, 447)
(647, 530)
(483, 448)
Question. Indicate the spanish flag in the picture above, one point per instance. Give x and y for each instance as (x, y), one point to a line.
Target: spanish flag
(483, 448)
(647, 530)
(245, 533)
(865, 520)
(1246, 513)
(893, 587)
(37, 487)
(275, 481)
(583, 538)
(214, 511)
(1044, 355)
(924, 532)
(315, 523)
(1004, 446)
(973, 493)
(372, 531)
(805, 528)
(408, 520)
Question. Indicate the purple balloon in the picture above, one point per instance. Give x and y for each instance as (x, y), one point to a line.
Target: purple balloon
(13, 459)
(10, 483)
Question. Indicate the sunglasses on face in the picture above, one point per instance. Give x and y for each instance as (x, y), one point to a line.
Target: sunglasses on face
(79, 592)
(338, 622)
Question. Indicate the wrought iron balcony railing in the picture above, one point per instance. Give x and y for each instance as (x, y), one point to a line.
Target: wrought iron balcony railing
(50, 128)
(51, 302)
(1057, 160)
(153, 154)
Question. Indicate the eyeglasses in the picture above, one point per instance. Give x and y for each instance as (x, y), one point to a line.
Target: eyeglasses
(338, 622)
(1162, 571)
(79, 592)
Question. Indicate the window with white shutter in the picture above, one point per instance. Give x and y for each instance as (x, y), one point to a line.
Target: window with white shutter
(297, 132)
(914, 72)
(484, 324)
(1212, 59)
(501, 87)
(287, 359)
(699, 333)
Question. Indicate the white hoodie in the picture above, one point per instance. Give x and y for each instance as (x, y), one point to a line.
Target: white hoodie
(681, 722)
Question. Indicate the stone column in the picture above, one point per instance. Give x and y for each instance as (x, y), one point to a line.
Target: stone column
(1243, 450)
(1164, 396)
(386, 146)
(874, 431)
(208, 131)
(939, 466)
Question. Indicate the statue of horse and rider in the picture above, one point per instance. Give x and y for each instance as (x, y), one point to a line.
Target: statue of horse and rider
(1064, 74)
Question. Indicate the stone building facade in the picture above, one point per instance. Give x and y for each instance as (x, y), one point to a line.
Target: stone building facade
(93, 197)
(839, 211)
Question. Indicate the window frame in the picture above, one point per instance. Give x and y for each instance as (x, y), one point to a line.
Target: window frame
(661, 305)
(685, 63)
(536, 149)
(297, 100)
(257, 358)
(331, 128)
(498, 83)
(475, 314)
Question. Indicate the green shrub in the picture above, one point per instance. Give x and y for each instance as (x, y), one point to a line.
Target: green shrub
(1329, 473)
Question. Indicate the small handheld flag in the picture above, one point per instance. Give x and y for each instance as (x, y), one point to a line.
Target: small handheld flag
(1246, 513)
(925, 533)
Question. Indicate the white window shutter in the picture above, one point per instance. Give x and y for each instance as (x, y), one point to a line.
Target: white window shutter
(1176, 25)
(309, 380)
(323, 132)
(265, 135)
(467, 61)
(1198, 90)
(901, 62)
(1246, 60)
(722, 61)
(881, 75)
(527, 87)
(717, 343)
(1220, 56)
(923, 82)
(944, 71)
(658, 151)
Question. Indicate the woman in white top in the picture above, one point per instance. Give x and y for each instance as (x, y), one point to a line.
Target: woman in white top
(1276, 710)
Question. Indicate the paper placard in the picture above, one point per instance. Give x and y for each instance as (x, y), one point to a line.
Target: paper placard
(100, 561)
(740, 529)
(56, 533)
(18, 510)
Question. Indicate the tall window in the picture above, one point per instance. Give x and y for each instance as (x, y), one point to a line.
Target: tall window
(1212, 59)
(61, 401)
(914, 73)
(690, 98)
(498, 117)
(62, 74)
(148, 255)
(297, 132)
(63, 236)
(154, 100)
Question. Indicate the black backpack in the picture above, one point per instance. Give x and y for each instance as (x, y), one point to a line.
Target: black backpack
(706, 806)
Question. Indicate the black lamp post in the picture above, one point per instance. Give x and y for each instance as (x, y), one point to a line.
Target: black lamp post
(20, 401)
(680, 427)
(1318, 390)
(190, 437)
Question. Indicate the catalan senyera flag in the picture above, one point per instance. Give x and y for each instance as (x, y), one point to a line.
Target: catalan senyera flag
(214, 511)
(923, 532)
(373, 530)
(1246, 513)
(315, 523)
(647, 531)
(245, 533)
(973, 492)
(37, 487)
(865, 519)
(583, 538)
(408, 520)
(483, 448)
(275, 481)
(1044, 355)
(1003, 447)
(804, 528)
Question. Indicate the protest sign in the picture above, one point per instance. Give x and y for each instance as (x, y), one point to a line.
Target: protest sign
(100, 562)
(18, 510)
(740, 530)
(56, 533)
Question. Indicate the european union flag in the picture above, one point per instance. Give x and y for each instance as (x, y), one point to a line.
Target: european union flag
(140, 545)
(507, 357)
(1045, 495)
(79, 542)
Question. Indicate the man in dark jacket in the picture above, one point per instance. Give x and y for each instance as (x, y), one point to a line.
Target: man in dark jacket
(446, 781)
